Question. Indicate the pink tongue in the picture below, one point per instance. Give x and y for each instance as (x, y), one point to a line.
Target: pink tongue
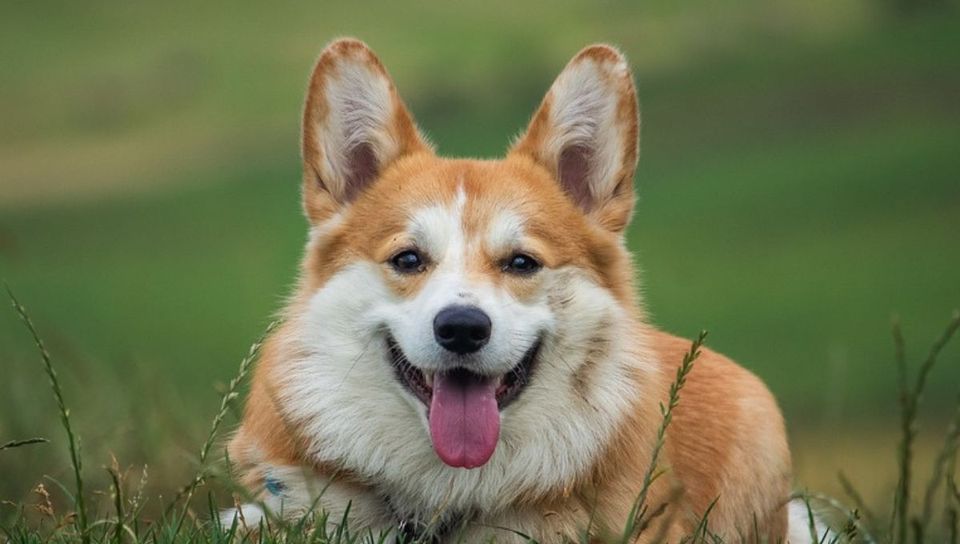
(464, 419)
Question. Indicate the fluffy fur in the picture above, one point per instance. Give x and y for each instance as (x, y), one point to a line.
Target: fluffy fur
(327, 420)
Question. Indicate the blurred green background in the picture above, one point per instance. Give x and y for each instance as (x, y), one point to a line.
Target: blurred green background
(798, 185)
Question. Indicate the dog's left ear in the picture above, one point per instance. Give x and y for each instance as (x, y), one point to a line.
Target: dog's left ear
(586, 134)
(354, 126)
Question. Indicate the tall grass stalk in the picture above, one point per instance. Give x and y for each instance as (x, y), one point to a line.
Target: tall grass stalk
(946, 458)
(898, 518)
(640, 508)
(117, 482)
(909, 402)
(858, 502)
(72, 441)
(19, 443)
(231, 393)
(951, 501)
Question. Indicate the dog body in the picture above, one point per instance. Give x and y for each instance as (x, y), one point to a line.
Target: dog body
(464, 356)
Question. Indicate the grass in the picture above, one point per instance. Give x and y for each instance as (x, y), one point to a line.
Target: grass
(640, 515)
(905, 527)
(231, 394)
(910, 400)
(72, 441)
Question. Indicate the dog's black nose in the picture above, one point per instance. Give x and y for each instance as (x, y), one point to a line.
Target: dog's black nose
(462, 329)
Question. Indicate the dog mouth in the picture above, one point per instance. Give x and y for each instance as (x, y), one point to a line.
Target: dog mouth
(420, 383)
(463, 407)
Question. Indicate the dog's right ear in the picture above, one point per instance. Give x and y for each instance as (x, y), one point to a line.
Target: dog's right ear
(354, 126)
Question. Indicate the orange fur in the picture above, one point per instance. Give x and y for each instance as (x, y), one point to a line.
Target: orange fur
(726, 441)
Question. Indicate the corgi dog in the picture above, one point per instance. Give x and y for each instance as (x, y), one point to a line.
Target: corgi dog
(465, 356)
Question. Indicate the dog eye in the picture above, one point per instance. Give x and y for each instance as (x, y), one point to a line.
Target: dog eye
(521, 264)
(407, 262)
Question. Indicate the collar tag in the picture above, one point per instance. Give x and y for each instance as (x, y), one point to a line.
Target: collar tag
(274, 486)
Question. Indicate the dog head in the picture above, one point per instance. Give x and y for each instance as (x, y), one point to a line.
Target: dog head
(463, 313)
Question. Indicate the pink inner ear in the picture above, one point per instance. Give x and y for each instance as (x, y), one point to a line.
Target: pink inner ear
(363, 170)
(574, 170)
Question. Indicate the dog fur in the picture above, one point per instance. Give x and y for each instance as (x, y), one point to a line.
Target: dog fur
(328, 424)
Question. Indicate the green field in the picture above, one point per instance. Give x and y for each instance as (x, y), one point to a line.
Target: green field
(799, 183)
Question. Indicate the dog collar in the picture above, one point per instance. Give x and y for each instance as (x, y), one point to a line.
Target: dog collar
(414, 532)
(274, 486)
(409, 531)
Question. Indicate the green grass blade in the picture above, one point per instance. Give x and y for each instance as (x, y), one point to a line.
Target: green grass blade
(946, 457)
(909, 402)
(228, 396)
(18, 443)
(117, 504)
(640, 507)
(72, 440)
(861, 506)
(898, 519)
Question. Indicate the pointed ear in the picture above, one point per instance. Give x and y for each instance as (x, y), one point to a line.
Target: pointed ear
(586, 134)
(354, 126)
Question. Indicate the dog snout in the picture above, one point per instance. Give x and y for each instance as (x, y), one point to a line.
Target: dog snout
(462, 329)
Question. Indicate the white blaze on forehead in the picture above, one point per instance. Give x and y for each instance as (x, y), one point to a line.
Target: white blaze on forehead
(438, 230)
(505, 232)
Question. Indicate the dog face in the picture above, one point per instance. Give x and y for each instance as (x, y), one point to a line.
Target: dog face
(462, 313)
